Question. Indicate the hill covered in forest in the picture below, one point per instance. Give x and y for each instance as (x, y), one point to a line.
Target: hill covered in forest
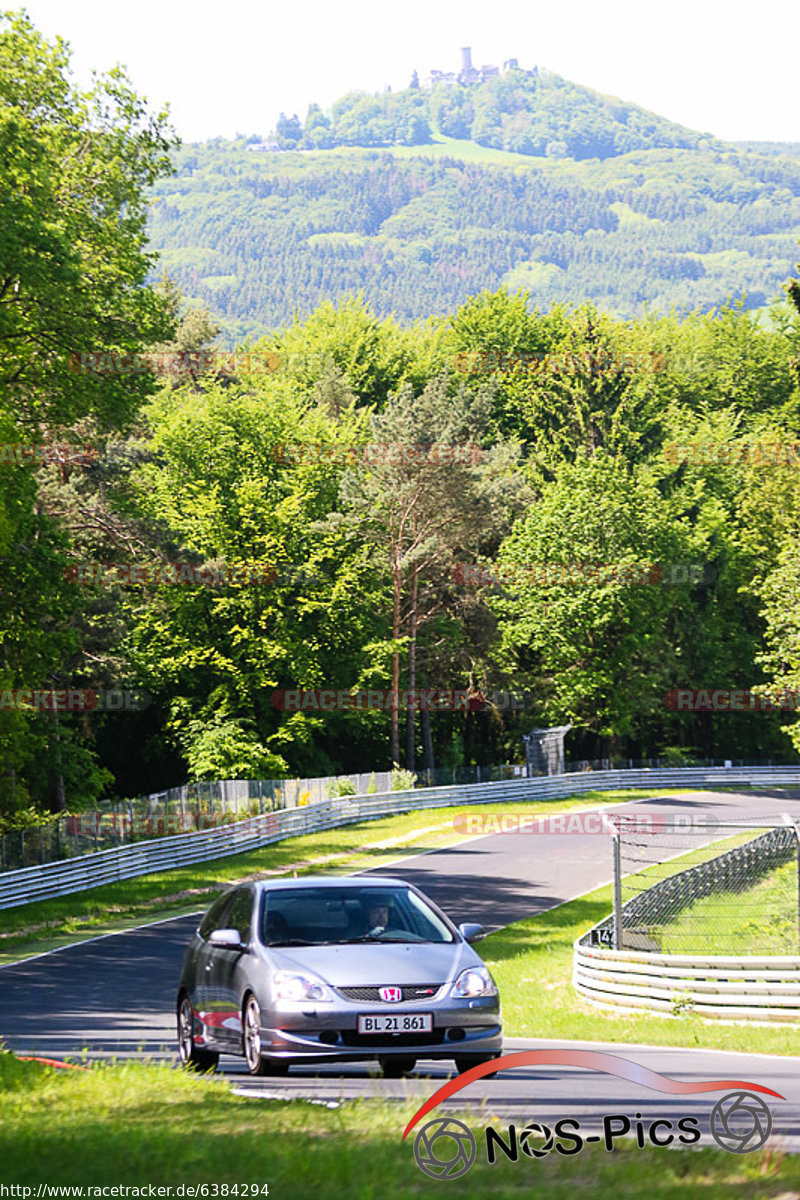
(421, 198)
(531, 112)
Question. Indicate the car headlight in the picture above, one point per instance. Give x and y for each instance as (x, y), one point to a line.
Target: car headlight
(475, 981)
(291, 986)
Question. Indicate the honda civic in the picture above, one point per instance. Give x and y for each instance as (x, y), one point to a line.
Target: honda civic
(327, 969)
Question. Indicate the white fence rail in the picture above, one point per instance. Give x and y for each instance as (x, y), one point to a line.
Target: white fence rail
(163, 854)
(721, 986)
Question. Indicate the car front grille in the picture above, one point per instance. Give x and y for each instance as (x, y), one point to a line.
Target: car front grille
(409, 992)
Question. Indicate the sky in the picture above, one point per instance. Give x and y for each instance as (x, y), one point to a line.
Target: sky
(229, 67)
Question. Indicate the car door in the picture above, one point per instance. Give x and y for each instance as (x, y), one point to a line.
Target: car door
(205, 999)
(226, 970)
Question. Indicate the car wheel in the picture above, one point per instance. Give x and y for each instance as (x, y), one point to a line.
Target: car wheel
(465, 1061)
(191, 1056)
(395, 1066)
(258, 1063)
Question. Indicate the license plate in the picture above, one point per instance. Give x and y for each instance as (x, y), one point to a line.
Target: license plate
(396, 1023)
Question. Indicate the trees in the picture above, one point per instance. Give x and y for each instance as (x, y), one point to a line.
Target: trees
(432, 493)
(779, 589)
(73, 255)
(73, 263)
(228, 490)
(288, 131)
(582, 618)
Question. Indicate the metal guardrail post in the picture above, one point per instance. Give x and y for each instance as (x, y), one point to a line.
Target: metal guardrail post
(615, 839)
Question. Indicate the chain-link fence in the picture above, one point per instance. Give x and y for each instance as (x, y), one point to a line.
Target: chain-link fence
(701, 886)
(209, 803)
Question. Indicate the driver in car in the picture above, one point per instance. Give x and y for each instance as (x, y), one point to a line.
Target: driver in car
(377, 919)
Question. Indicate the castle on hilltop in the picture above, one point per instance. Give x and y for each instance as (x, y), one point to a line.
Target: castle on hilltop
(470, 73)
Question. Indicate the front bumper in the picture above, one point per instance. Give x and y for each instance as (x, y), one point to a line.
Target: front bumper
(471, 1027)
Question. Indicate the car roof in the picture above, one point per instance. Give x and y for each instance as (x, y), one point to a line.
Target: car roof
(328, 881)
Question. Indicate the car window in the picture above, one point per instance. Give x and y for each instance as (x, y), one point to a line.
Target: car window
(216, 916)
(240, 914)
(342, 914)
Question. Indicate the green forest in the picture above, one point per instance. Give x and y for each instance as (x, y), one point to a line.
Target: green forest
(567, 194)
(531, 112)
(208, 532)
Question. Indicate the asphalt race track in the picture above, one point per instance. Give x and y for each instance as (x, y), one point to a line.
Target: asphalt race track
(114, 997)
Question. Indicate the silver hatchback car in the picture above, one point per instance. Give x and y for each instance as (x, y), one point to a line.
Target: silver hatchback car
(322, 969)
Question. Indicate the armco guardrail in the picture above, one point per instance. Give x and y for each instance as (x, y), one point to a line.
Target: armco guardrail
(162, 854)
(206, 803)
(720, 986)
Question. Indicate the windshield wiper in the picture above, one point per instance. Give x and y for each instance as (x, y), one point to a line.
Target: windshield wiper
(367, 937)
(293, 942)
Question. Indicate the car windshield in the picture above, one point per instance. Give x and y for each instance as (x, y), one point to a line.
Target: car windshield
(317, 916)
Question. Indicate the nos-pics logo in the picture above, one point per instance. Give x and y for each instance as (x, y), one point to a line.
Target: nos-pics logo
(445, 1148)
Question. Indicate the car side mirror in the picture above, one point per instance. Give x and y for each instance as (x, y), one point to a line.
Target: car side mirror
(226, 939)
(472, 932)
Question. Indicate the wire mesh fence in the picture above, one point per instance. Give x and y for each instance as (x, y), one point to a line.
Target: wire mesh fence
(697, 885)
(207, 804)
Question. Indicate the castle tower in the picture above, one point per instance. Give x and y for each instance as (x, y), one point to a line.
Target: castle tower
(466, 58)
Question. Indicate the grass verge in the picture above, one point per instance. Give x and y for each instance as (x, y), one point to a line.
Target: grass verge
(141, 1125)
(47, 924)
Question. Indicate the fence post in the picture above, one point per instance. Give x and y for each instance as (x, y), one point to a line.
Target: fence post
(615, 838)
(797, 840)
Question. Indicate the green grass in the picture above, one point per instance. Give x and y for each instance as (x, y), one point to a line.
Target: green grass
(137, 1125)
(33, 928)
(439, 147)
(763, 919)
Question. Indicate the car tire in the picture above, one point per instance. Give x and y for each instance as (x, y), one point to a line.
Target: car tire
(395, 1066)
(192, 1057)
(257, 1063)
(465, 1061)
